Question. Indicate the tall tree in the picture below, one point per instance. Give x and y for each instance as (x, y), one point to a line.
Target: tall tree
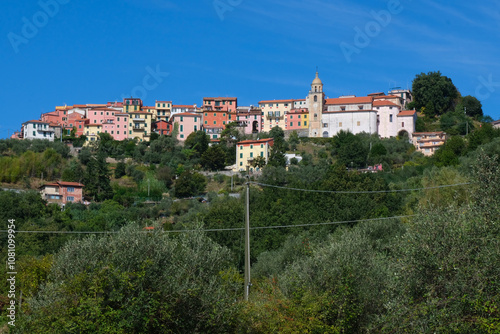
(277, 157)
(198, 141)
(435, 93)
(96, 180)
(472, 107)
(213, 158)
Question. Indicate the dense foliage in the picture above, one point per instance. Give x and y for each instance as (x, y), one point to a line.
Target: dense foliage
(326, 255)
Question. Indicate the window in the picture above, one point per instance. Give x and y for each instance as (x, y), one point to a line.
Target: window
(215, 122)
(215, 115)
(34, 133)
(251, 154)
(390, 118)
(251, 146)
(291, 123)
(262, 154)
(206, 114)
(214, 136)
(182, 118)
(298, 124)
(71, 189)
(241, 155)
(95, 121)
(360, 107)
(182, 128)
(195, 128)
(241, 163)
(315, 98)
(117, 132)
(359, 123)
(340, 124)
(70, 199)
(241, 147)
(206, 122)
(342, 108)
(403, 124)
(182, 136)
(325, 125)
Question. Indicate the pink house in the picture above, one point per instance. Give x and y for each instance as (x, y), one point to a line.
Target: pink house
(106, 120)
(188, 123)
(249, 118)
(62, 192)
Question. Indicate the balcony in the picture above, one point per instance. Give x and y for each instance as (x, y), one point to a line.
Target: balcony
(137, 119)
(138, 128)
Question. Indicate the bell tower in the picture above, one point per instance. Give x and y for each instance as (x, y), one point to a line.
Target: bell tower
(316, 103)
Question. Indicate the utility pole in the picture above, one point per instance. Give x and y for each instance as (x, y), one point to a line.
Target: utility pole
(247, 239)
(148, 188)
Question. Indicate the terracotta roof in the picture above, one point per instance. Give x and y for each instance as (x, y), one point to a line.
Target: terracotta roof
(349, 100)
(278, 101)
(381, 103)
(163, 101)
(407, 113)
(183, 106)
(221, 98)
(386, 97)
(376, 94)
(140, 112)
(63, 184)
(429, 133)
(36, 121)
(186, 114)
(258, 141)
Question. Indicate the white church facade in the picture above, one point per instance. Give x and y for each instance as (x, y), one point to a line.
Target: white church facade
(375, 114)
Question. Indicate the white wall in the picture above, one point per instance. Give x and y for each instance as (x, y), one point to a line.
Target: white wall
(367, 122)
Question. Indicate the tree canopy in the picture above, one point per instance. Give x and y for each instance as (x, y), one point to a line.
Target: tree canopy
(434, 93)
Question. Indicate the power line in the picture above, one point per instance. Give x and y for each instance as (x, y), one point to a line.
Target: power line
(223, 229)
(360, 192)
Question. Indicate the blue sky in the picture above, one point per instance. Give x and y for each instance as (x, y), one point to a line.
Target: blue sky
(97, 51)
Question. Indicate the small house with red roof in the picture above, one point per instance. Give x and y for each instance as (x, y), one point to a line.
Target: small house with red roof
(62, 192)
(248, 150)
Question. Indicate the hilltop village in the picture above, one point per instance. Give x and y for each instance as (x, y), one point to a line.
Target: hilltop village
(314, 116)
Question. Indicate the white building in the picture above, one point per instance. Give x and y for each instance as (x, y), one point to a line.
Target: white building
(392, 121)
(38, 130)
(350, 113)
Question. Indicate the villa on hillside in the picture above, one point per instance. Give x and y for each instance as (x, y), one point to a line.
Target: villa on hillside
(61, 193)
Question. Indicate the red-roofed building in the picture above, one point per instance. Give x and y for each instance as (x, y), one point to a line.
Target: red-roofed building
(428, 142)
(227, 104)
(163, 128)
(62, 192)
(163, 110)
(214, 122)
(248, 150)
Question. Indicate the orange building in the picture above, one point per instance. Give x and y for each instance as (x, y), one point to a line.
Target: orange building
(227, 104)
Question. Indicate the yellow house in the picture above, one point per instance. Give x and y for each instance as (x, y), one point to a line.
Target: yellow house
(274, 113)
(428, 142)
(248, 150)
(140, 125)
(92, 133)
(163, 110)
